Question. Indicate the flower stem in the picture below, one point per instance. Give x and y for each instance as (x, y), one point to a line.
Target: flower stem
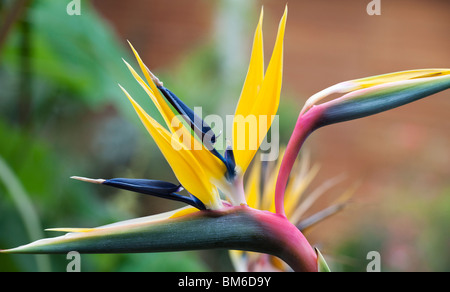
(305, 125)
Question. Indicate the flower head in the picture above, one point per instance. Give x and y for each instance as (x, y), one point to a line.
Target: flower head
(200, 169)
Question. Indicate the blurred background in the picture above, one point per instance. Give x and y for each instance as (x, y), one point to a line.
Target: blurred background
(62, 114)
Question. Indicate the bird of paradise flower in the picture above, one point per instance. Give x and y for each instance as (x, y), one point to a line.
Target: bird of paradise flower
(228, 221)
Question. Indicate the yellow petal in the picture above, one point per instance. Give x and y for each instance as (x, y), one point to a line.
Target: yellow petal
(184, 211)
(149, 77)
(296, 187)
(297, 213)
(212, 165)
(160, 103)
(185, 166)
(70, 229)
(255, 73)
(270, 181)
(252, 189)
(132, 222)
(398, 76)
(261, 114)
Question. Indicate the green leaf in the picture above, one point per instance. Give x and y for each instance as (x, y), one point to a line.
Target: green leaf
(79, 55)
(25, 208)
(322, 265)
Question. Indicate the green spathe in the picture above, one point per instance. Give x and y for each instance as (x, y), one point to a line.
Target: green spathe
(240, 228)
(380, 98)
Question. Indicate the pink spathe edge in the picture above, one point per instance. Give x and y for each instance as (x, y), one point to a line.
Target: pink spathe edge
(297, 251)
(305, 125)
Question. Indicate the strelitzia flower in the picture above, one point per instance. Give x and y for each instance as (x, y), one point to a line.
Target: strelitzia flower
(198, 166)
(213, 221)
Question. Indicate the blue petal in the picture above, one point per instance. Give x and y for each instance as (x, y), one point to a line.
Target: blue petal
(201, 129)
(155, 188)
(230, 163)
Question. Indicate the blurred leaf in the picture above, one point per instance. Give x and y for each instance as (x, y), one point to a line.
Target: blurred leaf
(25, 208)
(77, 54)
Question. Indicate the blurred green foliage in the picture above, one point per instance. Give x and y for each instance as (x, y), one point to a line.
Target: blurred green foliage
(61, 114)
(79, 56)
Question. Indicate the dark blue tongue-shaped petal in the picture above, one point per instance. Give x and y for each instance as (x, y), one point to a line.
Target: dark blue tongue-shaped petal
(155, 188)
(230, 163)
(144, 186)
(200, 128)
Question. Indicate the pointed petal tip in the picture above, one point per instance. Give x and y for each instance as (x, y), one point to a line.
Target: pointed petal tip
(154, 78)
(10, 250)
(322, 265)
(131, 46)
(69, 230)
(125, 62)
(121, 87)
(285, 11)
(90, 180)
(54, 229)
